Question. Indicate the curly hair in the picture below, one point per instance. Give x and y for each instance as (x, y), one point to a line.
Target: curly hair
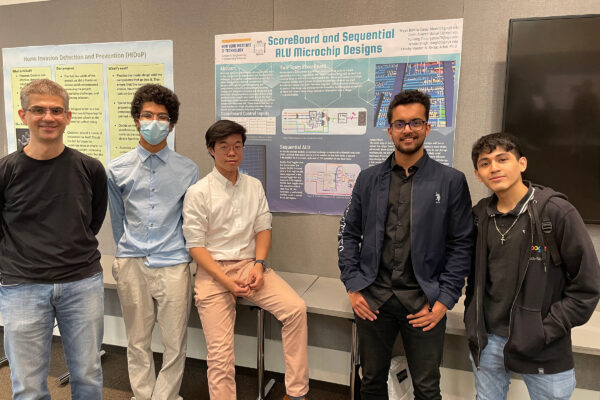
(409, 97)
(157, 94)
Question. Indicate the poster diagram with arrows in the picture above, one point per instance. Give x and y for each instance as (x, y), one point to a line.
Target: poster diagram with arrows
(315, 102)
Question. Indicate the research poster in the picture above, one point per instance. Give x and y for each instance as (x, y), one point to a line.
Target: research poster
(315, 102)
(101, 79)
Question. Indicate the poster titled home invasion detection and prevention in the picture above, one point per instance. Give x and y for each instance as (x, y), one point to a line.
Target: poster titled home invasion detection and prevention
(101, 79)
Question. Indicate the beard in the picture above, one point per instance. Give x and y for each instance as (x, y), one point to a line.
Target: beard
(411, 150)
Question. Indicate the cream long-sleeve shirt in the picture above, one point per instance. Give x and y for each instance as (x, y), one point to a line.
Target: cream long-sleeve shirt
(224, 218)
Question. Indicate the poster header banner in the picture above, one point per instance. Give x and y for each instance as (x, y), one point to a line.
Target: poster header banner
(391, 40)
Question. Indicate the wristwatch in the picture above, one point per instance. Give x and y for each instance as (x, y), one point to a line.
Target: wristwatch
(263, 262)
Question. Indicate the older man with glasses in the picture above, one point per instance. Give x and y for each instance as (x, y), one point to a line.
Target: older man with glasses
(146, 190)
(53, 202)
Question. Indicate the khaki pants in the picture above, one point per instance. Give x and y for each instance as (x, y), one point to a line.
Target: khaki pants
(138, 287)
(216, 307)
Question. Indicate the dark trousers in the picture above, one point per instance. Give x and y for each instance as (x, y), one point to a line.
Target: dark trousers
(423, 352)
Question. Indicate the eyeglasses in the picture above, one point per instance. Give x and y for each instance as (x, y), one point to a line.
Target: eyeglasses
(41, 111)
(226, 149)
(148, 116)
(414, 124)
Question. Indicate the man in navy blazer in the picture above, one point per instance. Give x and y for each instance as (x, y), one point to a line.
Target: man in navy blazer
(405, 245)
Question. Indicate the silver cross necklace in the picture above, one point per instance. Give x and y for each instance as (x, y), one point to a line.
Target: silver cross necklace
(522, 211)
(502, 240)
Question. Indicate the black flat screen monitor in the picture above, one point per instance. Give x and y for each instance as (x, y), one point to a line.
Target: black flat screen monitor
(552, 104)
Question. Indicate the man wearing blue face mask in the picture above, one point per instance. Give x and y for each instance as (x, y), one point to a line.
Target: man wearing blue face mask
(146, 187)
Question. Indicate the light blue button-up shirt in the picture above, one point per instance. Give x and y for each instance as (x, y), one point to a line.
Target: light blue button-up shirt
(146, 193)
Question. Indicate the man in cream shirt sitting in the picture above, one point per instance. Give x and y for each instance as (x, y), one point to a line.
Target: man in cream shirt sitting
(227, 227)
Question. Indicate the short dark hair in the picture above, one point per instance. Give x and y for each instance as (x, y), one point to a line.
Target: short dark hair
(488, 143)
(159, 95)
(221, 129)
(409, 97)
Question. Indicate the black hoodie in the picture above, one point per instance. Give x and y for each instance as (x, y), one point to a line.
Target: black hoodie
(550, 299)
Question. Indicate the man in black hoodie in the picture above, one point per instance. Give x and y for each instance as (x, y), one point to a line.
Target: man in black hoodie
(536, 276)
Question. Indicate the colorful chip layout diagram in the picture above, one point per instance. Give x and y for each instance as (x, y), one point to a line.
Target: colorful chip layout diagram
(330, 179)
(324, 121)
(435, 78)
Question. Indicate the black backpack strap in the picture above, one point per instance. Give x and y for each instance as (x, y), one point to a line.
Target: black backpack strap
(544, 229)
(549, 238)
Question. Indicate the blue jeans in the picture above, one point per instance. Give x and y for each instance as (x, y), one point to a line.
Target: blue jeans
(492, 379)
(28, 313)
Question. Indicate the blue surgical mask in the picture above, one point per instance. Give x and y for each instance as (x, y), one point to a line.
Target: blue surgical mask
(154, 131)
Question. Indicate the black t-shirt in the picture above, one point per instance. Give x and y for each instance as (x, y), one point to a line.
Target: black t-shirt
(50, 212)
(503, 262)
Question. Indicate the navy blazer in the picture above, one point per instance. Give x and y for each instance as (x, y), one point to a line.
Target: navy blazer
(441, 229)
